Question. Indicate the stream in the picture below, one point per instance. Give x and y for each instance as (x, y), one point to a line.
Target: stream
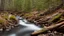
(25, 28)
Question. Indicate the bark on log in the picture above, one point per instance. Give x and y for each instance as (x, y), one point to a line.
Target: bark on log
(56, 18)
(46, 29)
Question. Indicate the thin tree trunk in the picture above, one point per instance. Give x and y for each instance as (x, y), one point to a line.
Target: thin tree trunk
(2, 4)
(63, 2)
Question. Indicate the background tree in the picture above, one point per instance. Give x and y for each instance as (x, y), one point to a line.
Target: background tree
(2, 4)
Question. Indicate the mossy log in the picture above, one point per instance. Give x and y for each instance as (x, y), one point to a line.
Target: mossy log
(47, 28)
(55, 18)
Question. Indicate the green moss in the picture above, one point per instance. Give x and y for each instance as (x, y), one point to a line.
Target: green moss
(55, 18)
(12, 17)
(28, 14)
(6, 17)
(1, 21)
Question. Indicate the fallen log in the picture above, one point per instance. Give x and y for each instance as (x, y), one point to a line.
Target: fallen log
(55, 18)
(47, 28)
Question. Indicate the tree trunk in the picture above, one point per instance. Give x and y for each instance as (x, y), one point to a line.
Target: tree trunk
(2, 4)
(63, 2)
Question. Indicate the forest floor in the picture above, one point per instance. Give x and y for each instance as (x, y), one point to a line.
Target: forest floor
(41, 20)
(46, 20)
(7, 21)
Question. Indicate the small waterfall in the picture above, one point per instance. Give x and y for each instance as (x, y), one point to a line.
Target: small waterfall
(24, 22)
(25, 28)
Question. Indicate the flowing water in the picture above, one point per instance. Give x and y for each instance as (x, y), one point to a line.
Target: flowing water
(25, 28)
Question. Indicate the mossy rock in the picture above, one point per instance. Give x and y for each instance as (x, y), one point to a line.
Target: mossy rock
(12, 17)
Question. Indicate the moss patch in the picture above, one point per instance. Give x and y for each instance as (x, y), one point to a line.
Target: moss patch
(12, 17)
(1, 21)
